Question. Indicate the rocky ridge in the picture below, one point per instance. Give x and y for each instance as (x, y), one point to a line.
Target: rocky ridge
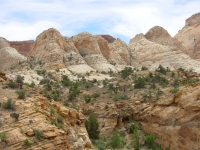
(8, 55)
(151, 55)
(23, 47)
(189, 36)
(35, 114)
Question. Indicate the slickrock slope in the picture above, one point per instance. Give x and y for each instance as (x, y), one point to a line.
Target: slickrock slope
(57, 52)
(34, 114)
(8, 56)
(161, 36)
(108, 38)
(189, 35)
(151, 54)
(3, 43)
(23, 47)
(120, 47)
(89, 48)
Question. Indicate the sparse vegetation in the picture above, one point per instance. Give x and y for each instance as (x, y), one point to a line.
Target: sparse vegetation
(21, 93)
(14, 115)
(38, 134)
(27, 143)
(9, 104)
(92, 126)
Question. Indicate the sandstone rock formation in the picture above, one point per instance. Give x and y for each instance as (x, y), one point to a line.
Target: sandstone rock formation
(3, 43)
(57, 51)
(151, 54)
(161, 36)
(108, 38)
(9, 57)
(34, 114)
(120, 48)
(189, 36)
(23, 47)
(91, 51)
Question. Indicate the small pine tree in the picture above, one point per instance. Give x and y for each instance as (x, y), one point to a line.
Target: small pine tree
(92, 126)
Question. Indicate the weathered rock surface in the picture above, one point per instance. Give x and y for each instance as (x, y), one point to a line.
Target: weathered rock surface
(189, 36)
(34, 114)
(57, 51)
(161, 36)
(23, 47)
(9, 57)
(91, 49)
(120, 48)
(108, 38)
(151, 54)
(4, 43)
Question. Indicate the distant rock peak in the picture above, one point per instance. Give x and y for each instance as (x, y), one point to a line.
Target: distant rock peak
(108, 38)
(193, 19)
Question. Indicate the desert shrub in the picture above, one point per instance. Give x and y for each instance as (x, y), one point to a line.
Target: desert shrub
(100, 144)
(126, 72)
(21, 93)
(38, 134)
(87, 98)
(41, 72)
(52, 111)
(92, 126)
(144, 68)
(116, 141)
(3, 137)
(150, 140)
(14, 115)
(27, 143)
(140, 83)
(161, 69)
(20, 81)
(65, 81)
(47, 87)
(12, 84)
(32, 85)
(55, 95)
(44, 81)
(9, 104)
(95, 95)
(174, 90)
(122, 97)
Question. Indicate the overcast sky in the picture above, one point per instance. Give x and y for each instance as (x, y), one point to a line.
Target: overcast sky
(25, 19)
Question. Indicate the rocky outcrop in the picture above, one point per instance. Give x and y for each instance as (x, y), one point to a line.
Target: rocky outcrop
(161, 36)
(9, 57)
(151, 54)
(91, 49)
(57, 51)
(34, 114)
(23, 47)
(189, 36)
(121, 48)
(108, 38)
(3, 43)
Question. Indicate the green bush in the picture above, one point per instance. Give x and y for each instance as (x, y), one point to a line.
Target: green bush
(87, 98)
(100, 144)
(116, 141)
(126, 72)
(12, 85)
(38, 134)
(150, 140)
(20, 81)
(92, 126)
(27, 143)
(9, 104)
(140, 83)
(161, 69)
(44, 81)
(21, 93)
(14, 115)
(3, 137)
(122, 97)
(95, 95)
(174, 90)
(144, 68)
